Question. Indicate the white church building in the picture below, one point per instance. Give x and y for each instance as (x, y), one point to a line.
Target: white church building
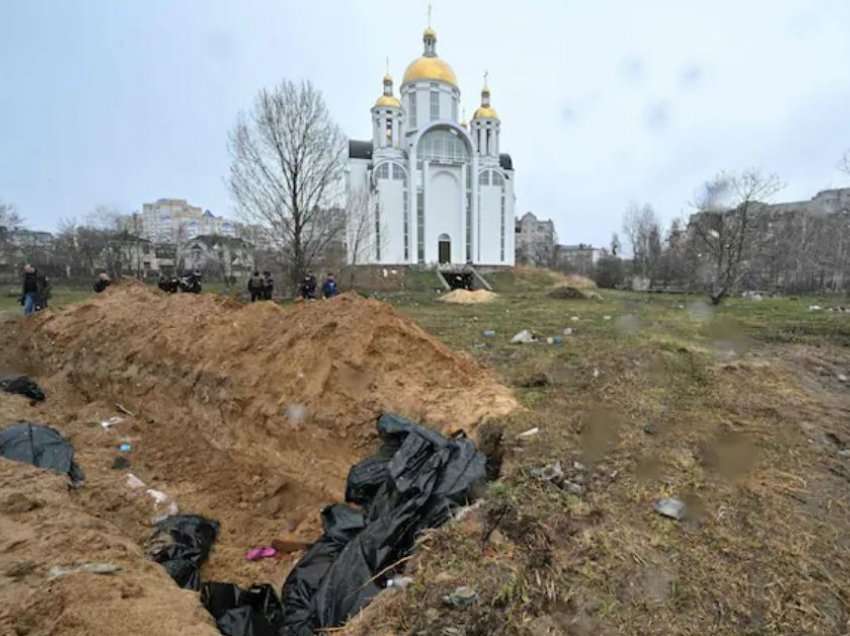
(428, 188)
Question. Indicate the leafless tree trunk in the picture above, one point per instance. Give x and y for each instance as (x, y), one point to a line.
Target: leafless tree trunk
(640, 225)
(722, 225)
(287, 160)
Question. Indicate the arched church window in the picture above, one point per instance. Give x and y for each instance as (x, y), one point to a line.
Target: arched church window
(485, 178)
(383, 171)
(498, 180)
(398, 172)
(443, 145)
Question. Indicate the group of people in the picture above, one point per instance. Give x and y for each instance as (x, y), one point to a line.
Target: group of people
(261, 287)
(35, 290)
(188, 283)
(308, 287)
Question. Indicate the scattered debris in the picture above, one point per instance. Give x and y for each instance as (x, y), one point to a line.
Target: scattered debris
(552, 472)
(529, 433)
(92, 568)
(650, 428)
(671, 508)
(606, 317)
(569, 331)
(488, 333)
(40, 446)
(112, 421)
(399, 582)
(134, 482)
(842, 377)
(553, 340)
(595, 373)
(22, 385)
(164, 506)
(120, 463)
(124, 410)
(523, 337)
(815, 307)
(262, 552)
(125, 447)
(462, 597)
(575, 318)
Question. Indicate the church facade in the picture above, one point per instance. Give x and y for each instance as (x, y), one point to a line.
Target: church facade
(428, 188)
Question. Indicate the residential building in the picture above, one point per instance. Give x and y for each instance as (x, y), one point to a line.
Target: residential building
(175, 220)
(535, 241)
(581, 258)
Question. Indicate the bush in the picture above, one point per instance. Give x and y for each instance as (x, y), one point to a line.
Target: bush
(609, 272)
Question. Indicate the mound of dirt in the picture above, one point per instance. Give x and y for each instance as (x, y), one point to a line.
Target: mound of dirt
(248, 414)
(568, 292)
(42, 528)
(467, 297)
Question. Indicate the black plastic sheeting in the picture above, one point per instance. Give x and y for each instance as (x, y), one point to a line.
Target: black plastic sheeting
(415, 482)
(181, 544)
(40, 446)
(253, 612)
(22, 385)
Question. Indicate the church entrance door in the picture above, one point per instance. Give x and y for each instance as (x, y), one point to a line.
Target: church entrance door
(444, 249)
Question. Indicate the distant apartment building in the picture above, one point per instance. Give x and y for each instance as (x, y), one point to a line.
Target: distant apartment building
(535, 240)
(581, 258)
(175, 220)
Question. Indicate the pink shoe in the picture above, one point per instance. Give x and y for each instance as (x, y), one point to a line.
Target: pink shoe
(264, 552)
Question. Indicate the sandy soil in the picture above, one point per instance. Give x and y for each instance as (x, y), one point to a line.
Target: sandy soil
(467, 297)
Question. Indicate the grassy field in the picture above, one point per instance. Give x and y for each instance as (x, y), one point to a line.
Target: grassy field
(739, 411)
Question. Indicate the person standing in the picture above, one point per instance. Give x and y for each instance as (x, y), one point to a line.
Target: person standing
(329, 289)
(268, 285)
(44, 287)
(308, 287)
(29, 289)
(255, 286)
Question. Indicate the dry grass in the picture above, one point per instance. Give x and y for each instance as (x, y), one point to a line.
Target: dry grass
(745, 438)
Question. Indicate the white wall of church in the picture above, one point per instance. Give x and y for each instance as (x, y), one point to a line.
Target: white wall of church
(391, 239)
(444, 213)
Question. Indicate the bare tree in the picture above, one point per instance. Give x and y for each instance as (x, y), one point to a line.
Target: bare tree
(723, 223)
(287, 160)
(640, 225)
(9, 217)
(844, 164)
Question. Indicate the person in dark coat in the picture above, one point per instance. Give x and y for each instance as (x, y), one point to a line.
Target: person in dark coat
(255, 286)
(268, 285)
(308, 287)
(29, 289)
(329, 289)
(102, 282)
(44, 289)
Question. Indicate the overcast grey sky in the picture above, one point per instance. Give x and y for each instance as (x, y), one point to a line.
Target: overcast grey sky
(602, 103)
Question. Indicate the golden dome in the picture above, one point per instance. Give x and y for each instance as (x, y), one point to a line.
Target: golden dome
(485, 112)
(388, 101)
(429, 33)
(430, 68)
